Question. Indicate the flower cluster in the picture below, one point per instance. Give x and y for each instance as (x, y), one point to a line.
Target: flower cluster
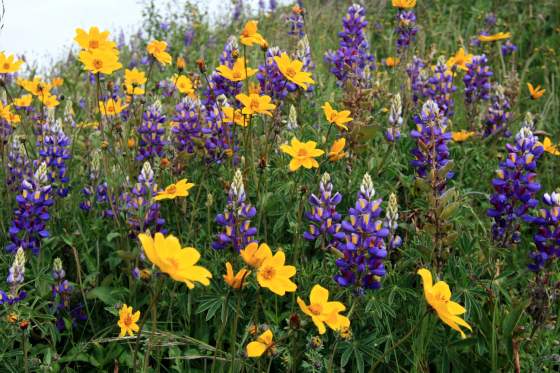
(364, 244)
(393, 132)
(323, 217)
(271, 80)
(31, 214)
(151, 131)
(187, 131)
(515, 187)
(477, 80)
(218, 84)
(62, 294)
(353, 60)
(236, 219)
(498, 114)
(54, 151)
(547, 238)
(296, 22)
(406, 29)
(19, 166)
(391, 222)
(15, 280)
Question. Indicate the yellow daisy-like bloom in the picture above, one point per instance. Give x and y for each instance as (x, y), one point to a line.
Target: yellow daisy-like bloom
(8, 64)
(111, 107)
(291, 69)
(236, 281)
(237, 72)
(536, 92)
(232, 115)
(460, 59)
(337, 150)
(100, 61)
(128, 321)
(403, 4)
(495, 37)
(254, 255)
(392, 61)
(460, 136)
(157, 49)
(184, 84)
(338, 118)
(303, 154)
(179, 263)
(255, 104)
(48, 100)
(275, 276)
(179, 189)
(263, 344)
(133, 80)
(438, 297)
(250, 35)
(94, 39)
(322, 311)
(549, 147)
(36, 87)
(57, 82)
(23, 101)
(7, 115)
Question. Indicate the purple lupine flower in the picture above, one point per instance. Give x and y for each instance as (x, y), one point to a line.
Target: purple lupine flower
(218, 85)
(6, 130)
(296, 23)
(272, 5)
(151, 130)
(417, 76)
(61, 293)
(364, 245)
(236, 219)
(188, 36)
(323, 217)
(498, 114)
(95, 192)
(391, 222)
(54, 151)
(121, 41)
(19, 166)
(15, 280)
(439, 88)
(431, 142)
(508, 48)
(142, 213)
(547, 238)
(476, 79)
(272, 81)
(406, 29)
(237, 10)
(31, 213)
(353, 60)
(218, 135)
(188, 131)
(393, 132)
(515, 187)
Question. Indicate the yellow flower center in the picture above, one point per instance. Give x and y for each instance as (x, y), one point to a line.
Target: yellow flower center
(316, 309)
(97, 63)
(6, 65)
(254, 105)
(93, 44)
(268, 273)
(290, 72)
(127, 320)
(236, 75)
(302, 153)
(172, 189)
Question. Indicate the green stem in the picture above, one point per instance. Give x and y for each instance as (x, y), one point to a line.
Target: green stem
(24, 347)
(233, 337)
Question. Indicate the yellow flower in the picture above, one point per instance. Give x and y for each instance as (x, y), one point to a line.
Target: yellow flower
(460, 59)
(179, 189)
(322, 311)
(337, 150)
(403, 4)
(23, 101)
(237, 72)
(49, 100)
(549, 147)
(291, 69)
(94, 39)
(36, 87)
(180, 63)
(157, 49)
(339, 118)
(235, 281)
(392, 61)
(263, 344)
(167, 255)
(7, 115)
(8, 65)
(438, 297)
(498, 36)
(183, 84)
(133, 79)
(57, 82)
(254, 88)
(111, 107)
(255, 104)
(275, 276)
(100, 61)
(128, 321)
(460, 136)
(232, 115)
(250, 36)
(254, 255)
(303, 154)
(536, 92)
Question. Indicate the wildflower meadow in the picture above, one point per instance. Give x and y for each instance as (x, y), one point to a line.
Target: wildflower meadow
(316, 186)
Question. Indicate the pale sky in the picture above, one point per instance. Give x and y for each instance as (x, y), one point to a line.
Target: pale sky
(44, 29)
